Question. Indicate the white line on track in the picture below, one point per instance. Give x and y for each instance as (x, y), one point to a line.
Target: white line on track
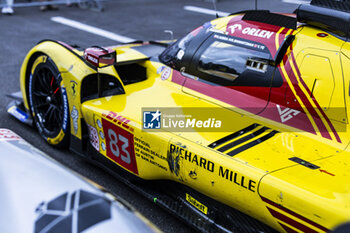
(92, 29)
(296, 1)
(205, 11)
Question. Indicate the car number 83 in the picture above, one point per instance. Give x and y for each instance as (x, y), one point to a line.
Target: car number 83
(120, 146)
(113, 146)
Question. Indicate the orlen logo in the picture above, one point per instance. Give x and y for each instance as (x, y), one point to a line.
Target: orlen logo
(234, 27)
(250, 31)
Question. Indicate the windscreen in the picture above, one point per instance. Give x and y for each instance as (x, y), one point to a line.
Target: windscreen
(174, 54)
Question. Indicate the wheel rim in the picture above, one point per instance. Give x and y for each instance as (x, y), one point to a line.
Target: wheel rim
(47, 100)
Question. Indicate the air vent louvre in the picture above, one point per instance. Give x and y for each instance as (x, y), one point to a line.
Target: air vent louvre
(243, 139)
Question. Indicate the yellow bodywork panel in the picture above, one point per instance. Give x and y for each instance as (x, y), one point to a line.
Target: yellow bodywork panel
(321, 69)
(325, 82)
(124, 53)
(307, 188)
(321, 81)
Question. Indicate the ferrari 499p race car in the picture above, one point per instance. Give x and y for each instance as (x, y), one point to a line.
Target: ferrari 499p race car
(241, 125)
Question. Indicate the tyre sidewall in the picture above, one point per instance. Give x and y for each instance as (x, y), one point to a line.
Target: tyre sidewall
(61, 137)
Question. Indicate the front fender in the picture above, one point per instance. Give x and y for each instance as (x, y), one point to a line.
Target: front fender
(67, 60)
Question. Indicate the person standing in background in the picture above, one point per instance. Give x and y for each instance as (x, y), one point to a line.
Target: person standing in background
(7, 10)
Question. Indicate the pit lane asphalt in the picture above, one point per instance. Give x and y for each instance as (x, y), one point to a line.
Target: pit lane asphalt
(139, 19)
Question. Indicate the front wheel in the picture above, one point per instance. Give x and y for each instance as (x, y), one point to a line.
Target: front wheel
(48, 102)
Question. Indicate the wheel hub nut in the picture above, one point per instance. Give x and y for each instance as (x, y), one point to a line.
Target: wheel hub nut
(48, 99)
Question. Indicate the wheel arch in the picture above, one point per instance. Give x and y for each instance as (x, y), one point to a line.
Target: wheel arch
(73, 69)
(64, 57)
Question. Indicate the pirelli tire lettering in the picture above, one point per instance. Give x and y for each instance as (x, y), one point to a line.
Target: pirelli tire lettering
(48, 102)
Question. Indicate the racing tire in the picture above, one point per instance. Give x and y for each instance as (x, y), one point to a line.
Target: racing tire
(48, 102)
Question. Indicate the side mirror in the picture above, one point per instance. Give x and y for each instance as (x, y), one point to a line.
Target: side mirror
(100, 57)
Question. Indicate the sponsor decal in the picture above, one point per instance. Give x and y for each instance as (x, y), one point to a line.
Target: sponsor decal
(250, 31)
(165, 71)
(160, 69)
(119, 146)
(75, 116)
(7, 135)
(103, 146)
(65, 109)
(93, 135)
(31, 100)
(234, 27)
(99, 124)
(178, 152)
(196, 204)
(240, 42)
(92, 59)
(144, 151)
(73, 87)
(173, 156)
(116, 118)
(102, 135)
(237, 179)
(287, 113)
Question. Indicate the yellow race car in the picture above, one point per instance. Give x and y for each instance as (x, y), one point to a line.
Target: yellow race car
(241, 125)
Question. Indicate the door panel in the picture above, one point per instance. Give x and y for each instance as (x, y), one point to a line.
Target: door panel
(321, 72)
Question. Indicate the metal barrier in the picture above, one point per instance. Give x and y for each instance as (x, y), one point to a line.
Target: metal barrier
(83, 4)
